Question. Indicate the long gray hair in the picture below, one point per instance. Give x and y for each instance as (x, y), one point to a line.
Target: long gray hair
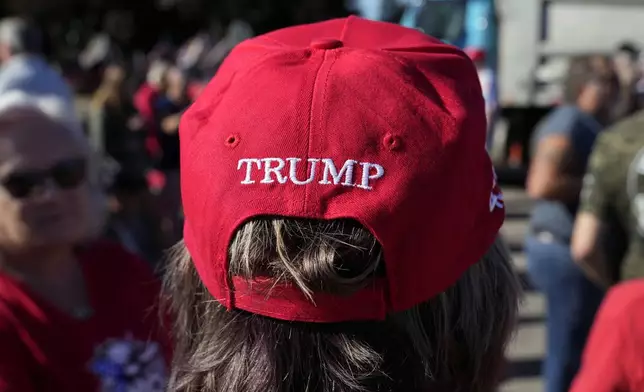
(454, 342)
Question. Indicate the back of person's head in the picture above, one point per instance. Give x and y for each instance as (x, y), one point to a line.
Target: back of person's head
(629, 49)
(20, 36)
(342, 216)
(453, 342)
(157, 73)
(583, 72)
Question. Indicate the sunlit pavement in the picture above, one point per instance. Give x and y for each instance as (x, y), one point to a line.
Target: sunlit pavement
(528, 346)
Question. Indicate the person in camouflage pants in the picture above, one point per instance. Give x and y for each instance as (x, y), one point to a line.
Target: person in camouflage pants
(612, 205)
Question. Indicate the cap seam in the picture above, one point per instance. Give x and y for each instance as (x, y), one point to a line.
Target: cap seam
(408, 81)
(310, 124)
(228, 291)
(408, 87)
(204, 119)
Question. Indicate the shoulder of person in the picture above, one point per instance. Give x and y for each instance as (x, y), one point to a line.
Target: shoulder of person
(560, 121)
(624, 300)
(8, 322)
(11, 331)
(631, 128)
(112, 259)
(12, 297)
(621, 140)
(16, 355)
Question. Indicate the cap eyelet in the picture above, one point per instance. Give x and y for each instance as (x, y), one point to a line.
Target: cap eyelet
(392, 142)
(232, 141)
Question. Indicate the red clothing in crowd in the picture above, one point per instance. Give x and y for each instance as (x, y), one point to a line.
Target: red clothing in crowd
(121, 344)
(614, 357)
(143, 101)
(195, 89)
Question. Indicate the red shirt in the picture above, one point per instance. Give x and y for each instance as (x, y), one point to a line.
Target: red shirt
(143, 100)
(614, 357)
(122, 344)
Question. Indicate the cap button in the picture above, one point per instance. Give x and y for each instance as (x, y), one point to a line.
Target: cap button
(326, 44)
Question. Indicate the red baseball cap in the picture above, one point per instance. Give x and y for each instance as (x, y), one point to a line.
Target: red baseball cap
(347, 118)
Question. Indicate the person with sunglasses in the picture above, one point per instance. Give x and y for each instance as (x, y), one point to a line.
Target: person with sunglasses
(75, 312)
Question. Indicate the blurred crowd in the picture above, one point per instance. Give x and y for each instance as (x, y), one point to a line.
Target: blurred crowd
(130, 107)
(585, 238)
(130, 100)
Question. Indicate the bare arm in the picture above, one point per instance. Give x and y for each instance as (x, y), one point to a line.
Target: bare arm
(586, 248)
(554, 171)
(597, 197)
(170, 124)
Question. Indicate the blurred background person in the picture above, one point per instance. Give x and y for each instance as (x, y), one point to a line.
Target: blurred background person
(627, 68)
(614, 356)
(613, 203)
(144, 101)
(74, 310)
(135, 216)
(562, 144)
(124, 136)
(22, 66)
(169, 105)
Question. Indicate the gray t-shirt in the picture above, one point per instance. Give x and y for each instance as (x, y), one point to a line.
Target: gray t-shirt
(582, 129)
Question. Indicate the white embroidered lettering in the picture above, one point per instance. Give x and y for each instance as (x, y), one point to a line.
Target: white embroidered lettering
(268, 169)
(324, 170)
(367, 176)
(293, 170)
(249, 162)
(331, 170)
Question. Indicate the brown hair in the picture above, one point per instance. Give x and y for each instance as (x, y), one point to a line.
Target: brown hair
(454, 342)
(584, 70)
(110, 91)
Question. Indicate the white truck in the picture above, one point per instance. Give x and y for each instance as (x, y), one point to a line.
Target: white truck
(535, 40)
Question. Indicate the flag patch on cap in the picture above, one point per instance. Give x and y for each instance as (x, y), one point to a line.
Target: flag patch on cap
(496, 196)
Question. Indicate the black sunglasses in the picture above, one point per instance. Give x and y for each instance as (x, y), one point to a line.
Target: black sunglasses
(65, 174)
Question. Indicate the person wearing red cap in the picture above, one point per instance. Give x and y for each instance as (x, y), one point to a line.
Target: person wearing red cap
(342, 219)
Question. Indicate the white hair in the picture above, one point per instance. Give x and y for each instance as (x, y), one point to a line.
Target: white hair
(20, 35)
(54, 107)
(60, 111)
(157, 72)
